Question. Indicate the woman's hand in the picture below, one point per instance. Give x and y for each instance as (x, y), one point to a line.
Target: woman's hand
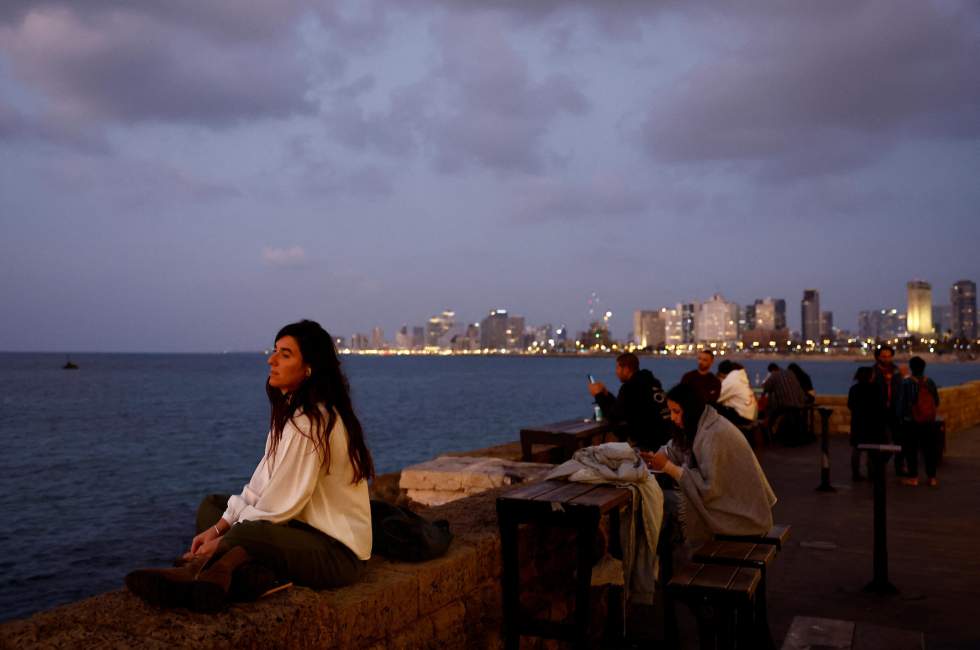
(207, 540)
(655, 461)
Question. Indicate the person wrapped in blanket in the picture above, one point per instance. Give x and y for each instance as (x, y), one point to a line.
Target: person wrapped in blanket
(721, 486)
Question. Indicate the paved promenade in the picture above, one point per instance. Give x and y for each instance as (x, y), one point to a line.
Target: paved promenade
(933, 545)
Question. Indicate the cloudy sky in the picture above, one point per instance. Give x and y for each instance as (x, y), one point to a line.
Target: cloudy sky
(188, 176)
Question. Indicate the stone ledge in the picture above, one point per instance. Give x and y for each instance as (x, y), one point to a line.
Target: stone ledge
(450, 602)
(448, 478)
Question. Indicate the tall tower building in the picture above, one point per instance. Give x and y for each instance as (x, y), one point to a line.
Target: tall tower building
(919, 315)
(963, 300)
(810, 315)
(494, 330)
(826, 325)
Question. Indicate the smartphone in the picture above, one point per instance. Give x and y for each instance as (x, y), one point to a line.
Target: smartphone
(591, 378)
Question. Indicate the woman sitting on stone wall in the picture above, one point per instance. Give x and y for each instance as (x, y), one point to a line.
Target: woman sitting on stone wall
(305, 515)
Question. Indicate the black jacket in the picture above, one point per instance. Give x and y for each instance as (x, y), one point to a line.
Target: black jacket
(638, 410)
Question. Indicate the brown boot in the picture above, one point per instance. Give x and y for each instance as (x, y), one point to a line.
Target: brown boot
(209, 592)
(166, 587)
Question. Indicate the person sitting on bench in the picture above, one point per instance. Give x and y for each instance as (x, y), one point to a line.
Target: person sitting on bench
(736, 401)
(723, 489)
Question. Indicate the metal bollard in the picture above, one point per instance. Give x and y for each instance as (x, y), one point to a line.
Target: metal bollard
(825, 485)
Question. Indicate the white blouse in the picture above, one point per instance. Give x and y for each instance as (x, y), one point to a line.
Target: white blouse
(296, 485)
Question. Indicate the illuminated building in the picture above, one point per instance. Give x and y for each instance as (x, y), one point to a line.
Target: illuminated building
(919, 314)
(716, 321)
(649, 328)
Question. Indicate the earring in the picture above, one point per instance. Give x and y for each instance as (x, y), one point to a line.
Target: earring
(309, 372)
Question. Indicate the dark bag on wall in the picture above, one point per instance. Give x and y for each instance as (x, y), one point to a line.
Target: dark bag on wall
(400, 534)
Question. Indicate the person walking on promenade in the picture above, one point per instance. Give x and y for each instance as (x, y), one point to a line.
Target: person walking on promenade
(919, 401)
(866, 425)
(701, 378)
(736, 401)
(888, 383)
(784, 405)
(305, 515)
(640, 406)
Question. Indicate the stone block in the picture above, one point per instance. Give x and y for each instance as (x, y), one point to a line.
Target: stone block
(416, 636)
(384, 600)
(442, 580)
(447, 626)
(464, 475)
(487, 547)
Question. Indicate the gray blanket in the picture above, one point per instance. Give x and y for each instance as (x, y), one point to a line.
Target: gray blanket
(621, 465)
(723, 486)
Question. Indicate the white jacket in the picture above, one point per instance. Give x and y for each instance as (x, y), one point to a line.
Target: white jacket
(295, 485)
(736, 392)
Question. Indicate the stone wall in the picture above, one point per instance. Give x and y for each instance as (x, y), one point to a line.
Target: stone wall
(958, 405)
(450, 602)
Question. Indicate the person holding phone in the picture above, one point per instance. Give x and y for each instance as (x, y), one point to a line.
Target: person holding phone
(639, 406)
(721, 486)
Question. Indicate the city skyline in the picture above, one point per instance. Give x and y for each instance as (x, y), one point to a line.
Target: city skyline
(714, 320)
(188, 177)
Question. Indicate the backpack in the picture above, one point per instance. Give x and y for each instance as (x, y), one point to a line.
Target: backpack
(400, 534)
(924, 409)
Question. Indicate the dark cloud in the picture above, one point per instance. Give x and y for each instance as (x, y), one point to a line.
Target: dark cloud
(822, 89)
(497, 115)
(126, 66)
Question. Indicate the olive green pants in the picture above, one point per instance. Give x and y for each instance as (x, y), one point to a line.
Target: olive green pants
(295, 550)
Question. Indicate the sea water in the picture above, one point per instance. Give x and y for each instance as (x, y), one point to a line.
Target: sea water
(102, 467)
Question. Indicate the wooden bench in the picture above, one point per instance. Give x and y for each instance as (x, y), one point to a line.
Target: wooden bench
(777, 536)
(554, 503)
(747, 554)
(722, 599)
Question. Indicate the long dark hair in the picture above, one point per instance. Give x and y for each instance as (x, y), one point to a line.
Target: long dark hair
(692, 407)
(325, 385)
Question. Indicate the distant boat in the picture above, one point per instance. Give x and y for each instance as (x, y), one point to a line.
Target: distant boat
(69, 365)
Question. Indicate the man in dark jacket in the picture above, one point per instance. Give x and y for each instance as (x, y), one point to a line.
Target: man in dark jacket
(888, 382)
(640, 405)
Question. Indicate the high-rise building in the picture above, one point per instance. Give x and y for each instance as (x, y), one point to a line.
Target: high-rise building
(810, 315)
(650, 328)
(403, 338)
(418, 337)
(780, 307)
(765, 314)
(716, 321)
(963, 300)
(826, 325)
(881, 324)
(748, 316)
(493, 330)
(515, 333)
(439, 330)
(359, 342)
(687, 321)
(377, 338)
(942, 319)
(919, 314)
(673, 326)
